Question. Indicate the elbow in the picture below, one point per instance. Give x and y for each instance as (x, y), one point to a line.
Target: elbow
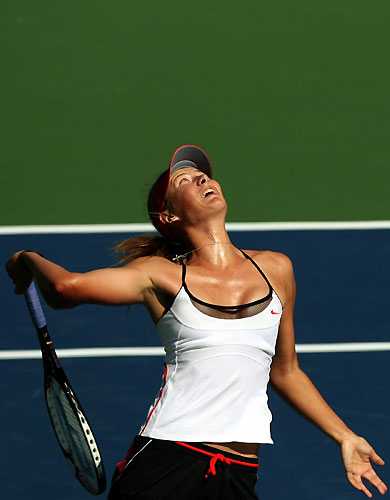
(62, 295)
(62, 287)
(280, 373)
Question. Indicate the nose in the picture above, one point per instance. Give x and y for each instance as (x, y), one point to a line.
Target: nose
(202, 178)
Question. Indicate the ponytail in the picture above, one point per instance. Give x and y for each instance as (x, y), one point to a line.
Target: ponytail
(146, 245)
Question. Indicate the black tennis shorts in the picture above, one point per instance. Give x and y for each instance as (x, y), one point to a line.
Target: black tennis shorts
(166, 470)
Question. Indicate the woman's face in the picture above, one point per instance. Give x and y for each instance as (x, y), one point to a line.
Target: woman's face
(192, 194)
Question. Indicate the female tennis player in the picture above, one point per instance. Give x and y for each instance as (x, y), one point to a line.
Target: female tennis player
(201, 437)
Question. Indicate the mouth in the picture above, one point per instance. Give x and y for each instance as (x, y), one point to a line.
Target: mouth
(208, 192)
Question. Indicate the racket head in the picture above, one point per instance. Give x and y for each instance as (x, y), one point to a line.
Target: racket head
(74, 433)
(69, 422)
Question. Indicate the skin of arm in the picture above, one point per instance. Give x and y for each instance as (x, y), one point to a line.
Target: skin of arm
(295, 387)
(63, 289)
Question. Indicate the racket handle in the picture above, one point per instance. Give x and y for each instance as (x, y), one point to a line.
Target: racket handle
(34, 306)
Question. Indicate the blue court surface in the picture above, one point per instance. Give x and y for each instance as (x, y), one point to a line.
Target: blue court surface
(343, 296)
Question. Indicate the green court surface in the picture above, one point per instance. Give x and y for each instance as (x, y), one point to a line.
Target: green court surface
(290, 100)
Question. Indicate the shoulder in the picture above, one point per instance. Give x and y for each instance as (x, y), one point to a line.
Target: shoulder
(151, 261)
(275, 261)
(152, 266)
(279, 270)
(163, 274)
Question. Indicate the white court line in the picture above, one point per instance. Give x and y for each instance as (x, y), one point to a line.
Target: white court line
(106, 352)
(231, 226)
(91, 352)
(343, 347)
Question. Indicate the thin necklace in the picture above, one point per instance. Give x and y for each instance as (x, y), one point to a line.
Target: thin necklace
(178, 258)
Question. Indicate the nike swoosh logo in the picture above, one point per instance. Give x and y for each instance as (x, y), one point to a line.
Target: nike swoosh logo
(273, 312)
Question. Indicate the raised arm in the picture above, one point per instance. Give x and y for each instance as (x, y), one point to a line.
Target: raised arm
(293, 385)
(64, 289)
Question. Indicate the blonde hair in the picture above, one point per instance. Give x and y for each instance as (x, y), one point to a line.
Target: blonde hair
(145, 245)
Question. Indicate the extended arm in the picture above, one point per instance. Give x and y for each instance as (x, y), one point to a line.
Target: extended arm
(295, 387)
(64, 289)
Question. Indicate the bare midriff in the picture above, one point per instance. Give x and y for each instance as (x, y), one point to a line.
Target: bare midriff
(249, 450)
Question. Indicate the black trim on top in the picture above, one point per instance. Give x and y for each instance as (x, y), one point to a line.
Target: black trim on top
(258, 268)
(229, 308)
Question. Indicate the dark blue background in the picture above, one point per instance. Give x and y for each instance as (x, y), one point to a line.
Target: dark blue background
(343, 296)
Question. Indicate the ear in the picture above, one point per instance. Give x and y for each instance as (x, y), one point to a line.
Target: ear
(167, 217)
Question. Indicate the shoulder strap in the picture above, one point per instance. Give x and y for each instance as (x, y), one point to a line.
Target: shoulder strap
(183, 273)
(258, 268)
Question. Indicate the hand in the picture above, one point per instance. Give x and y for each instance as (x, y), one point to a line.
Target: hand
(356, 454)
(18, 273)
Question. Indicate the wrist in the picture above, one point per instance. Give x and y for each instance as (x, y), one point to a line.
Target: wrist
(346, 436)
(21, 260)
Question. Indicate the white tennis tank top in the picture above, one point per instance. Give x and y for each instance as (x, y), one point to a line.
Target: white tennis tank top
(216, 374)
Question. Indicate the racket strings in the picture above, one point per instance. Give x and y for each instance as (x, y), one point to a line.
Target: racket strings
(77, 442)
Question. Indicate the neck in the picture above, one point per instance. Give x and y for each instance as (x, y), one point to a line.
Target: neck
(211, 247)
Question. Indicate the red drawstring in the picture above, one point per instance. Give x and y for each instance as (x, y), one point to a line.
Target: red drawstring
(214, 460)
(215, 457)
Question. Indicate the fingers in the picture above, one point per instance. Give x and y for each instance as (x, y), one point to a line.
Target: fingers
(372, 477)
(376, 458)
(357, 483)
(21, 288)
(19, 274)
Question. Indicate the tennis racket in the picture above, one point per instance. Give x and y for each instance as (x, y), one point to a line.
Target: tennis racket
(69, 422)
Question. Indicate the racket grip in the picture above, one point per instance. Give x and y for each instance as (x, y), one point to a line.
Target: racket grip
(34, 306)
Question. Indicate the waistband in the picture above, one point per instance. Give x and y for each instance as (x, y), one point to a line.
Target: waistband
(216, 455)
(199, 450)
